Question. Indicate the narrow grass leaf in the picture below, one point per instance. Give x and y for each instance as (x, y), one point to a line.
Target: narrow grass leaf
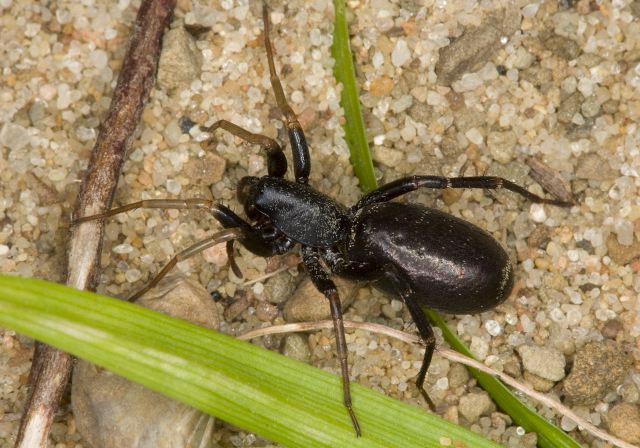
(260, 391)
(344, 73)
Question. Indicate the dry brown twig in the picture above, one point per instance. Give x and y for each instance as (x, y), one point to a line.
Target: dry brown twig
(450, 355)
(51, 368)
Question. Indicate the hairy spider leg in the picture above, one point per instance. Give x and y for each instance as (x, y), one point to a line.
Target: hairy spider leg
(250, 236)
(327, 287)
(276, 160)
(216, 238)
(411, 183)
(299, 148)
(185, 204)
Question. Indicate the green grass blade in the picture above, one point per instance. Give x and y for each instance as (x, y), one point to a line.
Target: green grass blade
(280, 399)
(344, 73)
(549, 436)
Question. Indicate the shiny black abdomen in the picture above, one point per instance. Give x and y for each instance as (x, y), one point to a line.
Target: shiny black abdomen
(433, 258)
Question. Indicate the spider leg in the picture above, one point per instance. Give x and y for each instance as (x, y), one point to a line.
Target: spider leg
(216, 238)
(301, 159)
(325, 285)
(411, 183)
(276, 161)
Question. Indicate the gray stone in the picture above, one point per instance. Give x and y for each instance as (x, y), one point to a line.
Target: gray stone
(279, 288)
(111, 411)
(624, 422)
(475, 47)
(467, 118)
(630, 393)
(538, 383)
(590, 107)
(593, 167)
(458, 376)
(37, 112)
(536, 75)
(620, 253)
(180, 61)
(544, 362)
(296, 346)
(562, 47)
(473, 405)
(598, 368)
(569, 107)
(501, 145)
(14, 136)
(308, 304)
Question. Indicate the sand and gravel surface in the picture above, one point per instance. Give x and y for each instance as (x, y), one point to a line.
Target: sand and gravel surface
(540, 90)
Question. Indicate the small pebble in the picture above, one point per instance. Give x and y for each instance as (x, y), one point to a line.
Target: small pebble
(266, 312)
(296, 346)
(598, 367)
(401, 53)
(624, 422)
(279, 288)
(473, 405)
(545, 362)
(308, 304)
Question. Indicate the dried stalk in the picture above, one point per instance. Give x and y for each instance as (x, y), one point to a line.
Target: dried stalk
(451, 355)
(51, 368)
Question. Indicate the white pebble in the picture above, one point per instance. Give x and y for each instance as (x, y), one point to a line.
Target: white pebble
(173, 186)
(479, 347)
(57, 174)
(605, 315)
(132, 275)
(557, 315)
(408, 133)
(14, 136)
(530, 10)
(474, 136)
(567, 424)
(4, 250)
(258, 288)
(124, 248)
(493, 327)
(32, 29)
(256, 165)
(469, 81)
(434, 98)
(110, 33)
(527, 324)
(297, 97)
(585, 86)
(99, 58)
(216, 255)
(574, 316)
(442, 383)
(47, 92)
(624, 232)
(537, 213)
(573, 255)
(401, 53)
(64, 96)
(377, 60)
